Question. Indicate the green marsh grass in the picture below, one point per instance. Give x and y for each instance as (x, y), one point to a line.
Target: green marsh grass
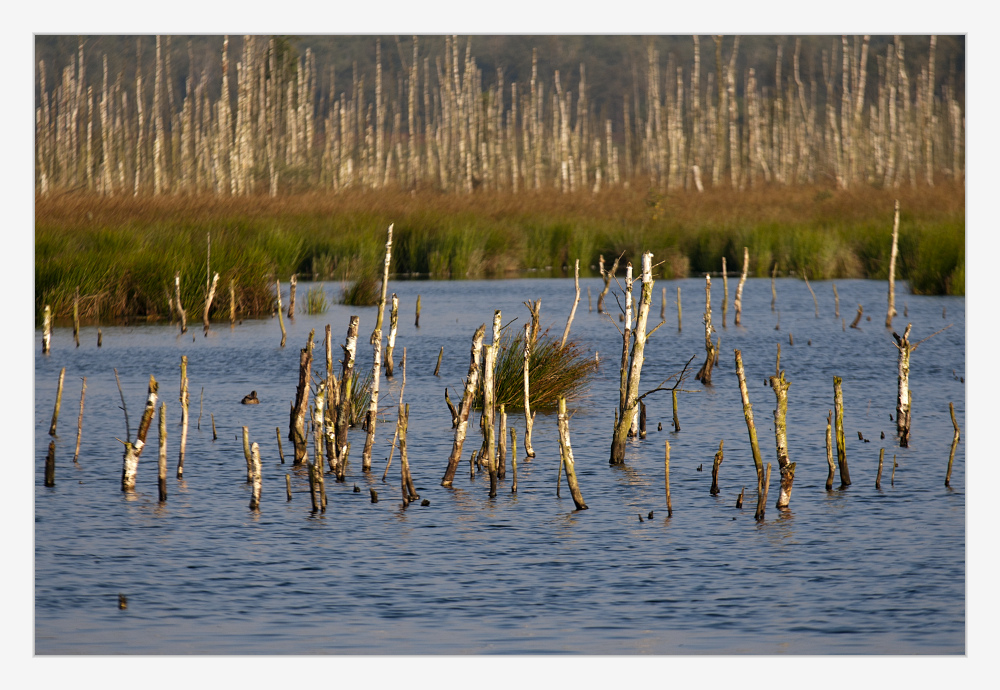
(123, 252)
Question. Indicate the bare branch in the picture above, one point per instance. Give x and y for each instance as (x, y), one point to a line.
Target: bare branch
(930, 336)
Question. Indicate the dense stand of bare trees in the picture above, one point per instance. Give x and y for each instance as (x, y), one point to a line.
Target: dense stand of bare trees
(441, 123)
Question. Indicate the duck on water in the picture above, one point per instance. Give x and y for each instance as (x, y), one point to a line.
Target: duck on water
(251, 399)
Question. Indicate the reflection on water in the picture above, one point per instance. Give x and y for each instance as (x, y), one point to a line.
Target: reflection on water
(521, 573)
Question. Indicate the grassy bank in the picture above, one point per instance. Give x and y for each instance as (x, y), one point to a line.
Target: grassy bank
(123, 252)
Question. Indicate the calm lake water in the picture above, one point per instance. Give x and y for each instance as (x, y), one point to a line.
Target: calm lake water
(857, 571)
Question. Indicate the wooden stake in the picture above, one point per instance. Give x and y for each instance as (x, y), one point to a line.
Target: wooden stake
(184, 415)
(838, 410)
(417, 322)
(437, 368)
(50, 465)
(130, 460)
(393, 319)
(678, 308)
(715, 471)
(79, 421)
(566, 452)
(215, 436)
(55, 412)
(576, 301)
(705, 373)
(281, 453)
(281, 319)
(677, 421)
(346, 373)
(836, 302)
(878, 477)
(46, 329)
(738, 302)
(255, 478)
(99, 337)
(892, 268)
(829, 452)
(748, 415)
(762, 495)
(162, 459)
(642, 419)
(786, 468)
(297, 415)
(529, 452)
(208, 302)
(663, 303)
(502, 444)
(246, 454)
(76, 316)
(666, 477)
(288, 487)
(513, 458)
(954, 445)
(725, 292)
(292, 284)
(815, 301)
(857, 317)
(466, 407)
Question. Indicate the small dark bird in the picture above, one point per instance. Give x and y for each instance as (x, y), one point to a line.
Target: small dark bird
(650, 516)
(659, 427)
(356, 489)
(425, 502)
(250, 399)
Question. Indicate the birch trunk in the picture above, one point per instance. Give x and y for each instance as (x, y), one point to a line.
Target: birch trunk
(785, 468)
(838, 410)
(255, 462)
(903, 389)
(344, 408)
(46, 330)
(393, 321)
(829, 452)
(529, 452)
(748, 415)
(208, 302)
(738, 302)
(297, 418)
(366, 453)
(130, 460)
(466, 407)
(631, 400)
(55, 412)
(177, 298)
(576, 301)
(705, 373)
(892, 268)
(184, 415)
(566, 450)
(162, 458)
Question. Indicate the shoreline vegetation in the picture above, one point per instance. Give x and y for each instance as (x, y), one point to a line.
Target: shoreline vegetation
(123, 252)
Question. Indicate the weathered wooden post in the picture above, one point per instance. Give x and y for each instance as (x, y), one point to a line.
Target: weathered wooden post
(630, 387)
(838, 411)
(177, 299)
(566, 451)
(748, 415)
(711, 352)
(401, 424)
(606, 276)
(892, 268)
(785, 467)
(725, 292)
(738, 302)
(281, 453)
(762, 491)
(76, 316)
(46, 330)
(576, 301)
(246, 454)
(319, 405)
(390, 346)
(502, 444)
(513, 458)
(666, 477)
(809, 287)
(297, 416)
(678, 308)
(715, 470)
(184, 415)
(162, 458)
(215, 436)
(288, 487)
(255, 478)
(466, 407)
(774, 293)
(663, 303)
(50, 465)
(79, 421)
(281, 318)
(130, 460)
(829, 452)
(903, 389)
(836, 302)
(677, 421)
(529, 452)
(417, 322)
(293, 282)
(878, 477)
(954, 445)
(55, 412)
(346, 373)
(371, 418)
(208, 302)
(437, 368)
(857, 317)
(489, 427)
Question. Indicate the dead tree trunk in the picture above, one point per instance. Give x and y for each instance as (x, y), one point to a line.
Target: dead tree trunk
(297, 417)
(785, 468)
(529, 452)
(711, 352)
(715, 471)
(738, 302)
(366, 453)
(46, 330)
(903, 389)
(463, 415)
(629, 409)
(391, 344)
(829, 452)
(838, 411)
(572, 312)
(607, 276)
(892, 268)
(184, 401)
(177, 298)
(954, 445)
(748, 415)
(130, 460)
(566, 451)
(208, 302)
(344, 406)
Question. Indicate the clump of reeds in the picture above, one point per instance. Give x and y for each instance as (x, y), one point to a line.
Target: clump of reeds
(363, 292)
(316, 300)
(555, 371)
